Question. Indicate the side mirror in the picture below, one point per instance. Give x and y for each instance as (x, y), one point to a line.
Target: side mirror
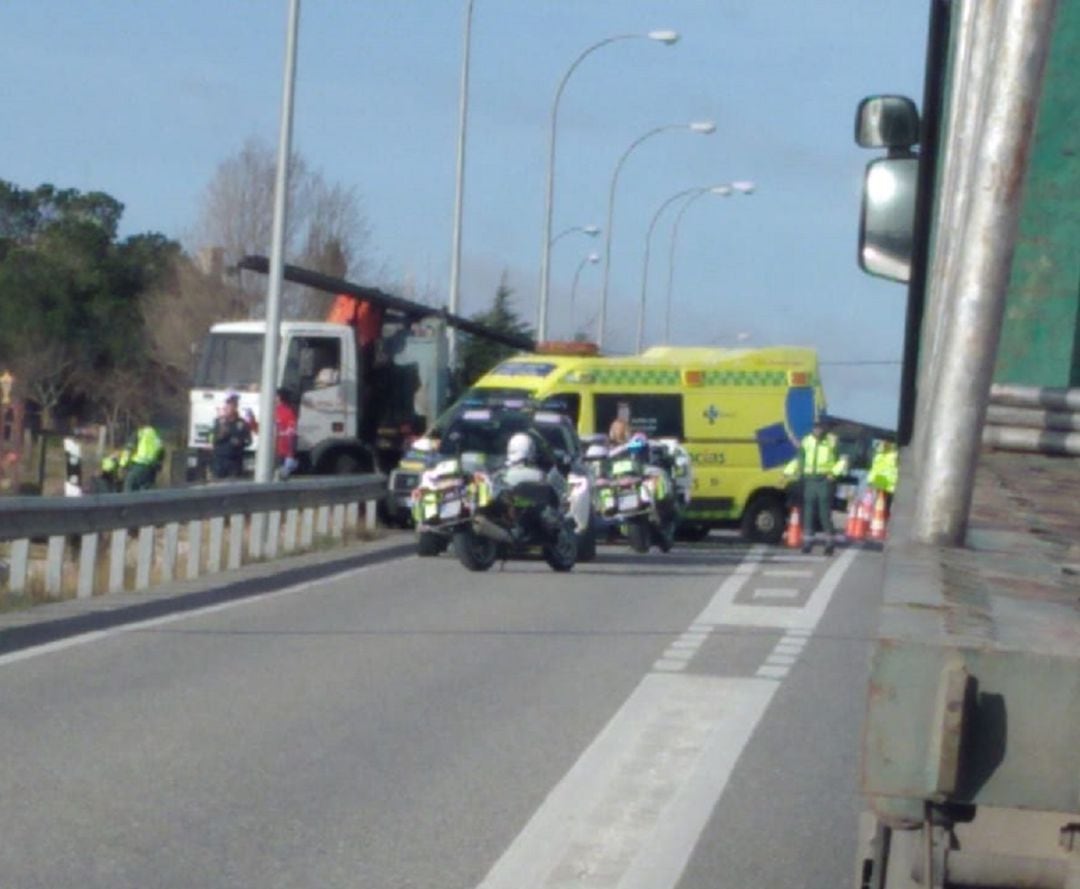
(887, 122)
(886, 229)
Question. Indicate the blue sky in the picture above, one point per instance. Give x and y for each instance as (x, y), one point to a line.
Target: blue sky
(144, 99)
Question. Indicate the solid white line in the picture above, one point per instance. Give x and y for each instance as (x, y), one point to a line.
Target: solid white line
(631, 809)
(776, 593)
(155, 622)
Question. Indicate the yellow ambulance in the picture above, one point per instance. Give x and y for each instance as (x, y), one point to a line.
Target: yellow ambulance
(739, 412)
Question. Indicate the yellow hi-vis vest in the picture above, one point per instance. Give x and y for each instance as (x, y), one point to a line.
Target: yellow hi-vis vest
(148, 446)
(884, 471)
(817, 458)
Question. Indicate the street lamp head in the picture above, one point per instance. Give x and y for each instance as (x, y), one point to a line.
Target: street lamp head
(743, 186)
(591, 230)
(593, 257)
(705, 127)
(666, 37)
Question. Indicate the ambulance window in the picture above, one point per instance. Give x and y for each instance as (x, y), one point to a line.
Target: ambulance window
(658, 416)
(566, 403)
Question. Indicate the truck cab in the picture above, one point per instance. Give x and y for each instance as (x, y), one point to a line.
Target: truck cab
(355, 411)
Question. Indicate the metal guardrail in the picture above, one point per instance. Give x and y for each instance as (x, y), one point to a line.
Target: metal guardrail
(206, 529)
(47, 516)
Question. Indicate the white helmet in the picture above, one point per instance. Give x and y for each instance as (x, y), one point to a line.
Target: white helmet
(520, 448)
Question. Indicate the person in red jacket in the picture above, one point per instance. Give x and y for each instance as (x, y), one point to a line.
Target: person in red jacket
(285, 428)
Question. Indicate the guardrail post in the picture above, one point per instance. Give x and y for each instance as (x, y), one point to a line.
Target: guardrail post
(337, 527)
(145, 557)
(273, 533)
(117, 555)
(168, 554)
(217, 533)
(87, 566)
(291, 520)
(307, 527)
(194, 551)
(322, 521)
(20, 564)
(257, 535)
(352, 515)
(54, 566)
(370, 514)
(236, 540)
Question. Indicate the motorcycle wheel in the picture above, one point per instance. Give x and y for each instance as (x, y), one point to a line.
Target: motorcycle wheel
(428, 543)
(586, 541)
(562, 554)
(664, 536)
(475, 552)
(637, 532)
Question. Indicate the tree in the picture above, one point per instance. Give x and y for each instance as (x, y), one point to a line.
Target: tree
(325, 225)
(479, 355)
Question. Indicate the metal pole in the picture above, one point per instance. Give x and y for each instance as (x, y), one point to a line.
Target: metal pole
(549, 193)
(671, 261)
(956, 417)
(585, 260)
(459, 190)
(645, 263)
(973, 20)
(264, 455)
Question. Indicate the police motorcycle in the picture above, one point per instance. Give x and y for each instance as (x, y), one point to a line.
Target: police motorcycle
(514, 509)
(440, 502)
(634, 489)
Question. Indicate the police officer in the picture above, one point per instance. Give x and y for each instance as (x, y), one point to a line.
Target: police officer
(231, 437)
(818, 466)
(142, 458)
(884, 471)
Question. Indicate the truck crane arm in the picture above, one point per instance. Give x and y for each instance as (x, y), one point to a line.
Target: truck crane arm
(411, 310)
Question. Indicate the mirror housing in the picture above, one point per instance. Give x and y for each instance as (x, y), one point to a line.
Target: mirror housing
(887, 223)
(887, 122)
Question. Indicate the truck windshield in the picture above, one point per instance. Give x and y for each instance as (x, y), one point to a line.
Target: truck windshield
(230, 361)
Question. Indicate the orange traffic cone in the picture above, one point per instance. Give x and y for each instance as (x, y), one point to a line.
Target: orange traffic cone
(794, 536)
(852, 517)
(877, 524)
(862, 519)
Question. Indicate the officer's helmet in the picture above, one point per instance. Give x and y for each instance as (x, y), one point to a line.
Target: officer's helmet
(520, 448)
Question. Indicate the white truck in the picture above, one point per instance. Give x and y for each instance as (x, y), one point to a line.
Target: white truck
(365, 382)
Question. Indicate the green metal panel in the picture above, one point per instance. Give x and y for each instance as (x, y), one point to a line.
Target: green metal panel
(1040, 341)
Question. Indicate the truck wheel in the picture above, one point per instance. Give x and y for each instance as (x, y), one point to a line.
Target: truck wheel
(763, 520)
(428, 544)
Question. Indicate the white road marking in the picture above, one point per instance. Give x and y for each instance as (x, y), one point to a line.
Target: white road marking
(787, 572)
(772, 672)
(668, 666)
(723, 609)
(781, 659)
(155, 622)
(687, 643)
(630, 811)
(776, 593)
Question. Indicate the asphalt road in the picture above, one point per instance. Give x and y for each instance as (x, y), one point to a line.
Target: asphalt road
(686, 720)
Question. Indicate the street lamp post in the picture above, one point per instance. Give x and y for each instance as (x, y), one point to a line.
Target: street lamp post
(459, 188)
(585, 260)
(264, 452)
(591, 230)
(739, 187)
(665, 37)
(702, 127)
